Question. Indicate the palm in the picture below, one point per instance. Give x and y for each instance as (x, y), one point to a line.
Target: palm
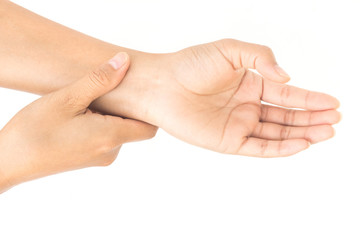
(219, 106)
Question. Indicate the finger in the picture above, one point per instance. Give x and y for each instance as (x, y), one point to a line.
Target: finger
(254, 56)
(97, 83)
(268, 148)
(121, 130)
(312, 134)
(293, 97)
(292, 117)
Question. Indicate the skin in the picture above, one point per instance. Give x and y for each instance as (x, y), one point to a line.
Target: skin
(61, 134)
(208, 97)
(205, 95)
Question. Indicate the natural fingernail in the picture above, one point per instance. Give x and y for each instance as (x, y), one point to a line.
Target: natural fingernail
(118, 60)
(281, 71)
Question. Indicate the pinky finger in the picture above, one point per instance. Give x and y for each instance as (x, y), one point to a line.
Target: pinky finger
(257, 147)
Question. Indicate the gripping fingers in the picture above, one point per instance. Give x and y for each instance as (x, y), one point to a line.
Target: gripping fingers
(100, 81)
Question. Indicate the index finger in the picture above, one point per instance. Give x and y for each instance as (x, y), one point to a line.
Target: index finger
(294, 97)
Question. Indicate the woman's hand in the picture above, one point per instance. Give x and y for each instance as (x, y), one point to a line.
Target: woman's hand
(223, 103)
(59, 133)
(206, 96)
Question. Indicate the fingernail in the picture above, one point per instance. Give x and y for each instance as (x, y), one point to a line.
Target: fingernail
(281, 71)
(118, 60)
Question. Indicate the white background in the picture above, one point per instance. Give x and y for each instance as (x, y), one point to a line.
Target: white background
(166, 189)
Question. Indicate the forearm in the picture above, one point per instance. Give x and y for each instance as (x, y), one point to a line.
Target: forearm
(199, 94)
(40, 56)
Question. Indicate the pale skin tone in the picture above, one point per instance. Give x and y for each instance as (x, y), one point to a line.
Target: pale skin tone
(61, 134)
(205, 95)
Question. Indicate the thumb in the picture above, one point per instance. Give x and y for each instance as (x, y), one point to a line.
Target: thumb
(98, 82)
(259, 57)
(266, 65)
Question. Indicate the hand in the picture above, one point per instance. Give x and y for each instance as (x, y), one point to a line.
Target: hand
(59, 133)
(206, 96)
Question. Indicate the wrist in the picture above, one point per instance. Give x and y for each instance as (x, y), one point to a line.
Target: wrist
(140, 92)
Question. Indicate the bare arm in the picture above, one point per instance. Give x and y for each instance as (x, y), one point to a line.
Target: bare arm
(204, 95)
(52, 134)
(40, 56)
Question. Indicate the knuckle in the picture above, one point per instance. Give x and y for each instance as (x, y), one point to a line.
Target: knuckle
(289, 117)
(71, 101)
(309, 120)
(67, 101)
(263, 147)
(266, 49)
(105, 146)
(284, 93)
(260, 130)
(99, 78)
(264, 113)
(307, 96)
(108, 152)
(281, 147)
(284, 133)
(107, 161)
(228, 40)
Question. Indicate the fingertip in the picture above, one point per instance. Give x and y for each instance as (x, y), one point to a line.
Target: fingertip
(151, 131)
(293, 146)
(331, 102)
(283, 77)
(331, 117)
(320, 133)
(340, 117)
(146, 130)
(334, 132)
(119, 60)
(112, 72)
(100, 81)
(130, 130)
(284, 80)
(330, 133)
(281, 72)
(273, 72)
(303, 144)
(335, 117)
(336, 103)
